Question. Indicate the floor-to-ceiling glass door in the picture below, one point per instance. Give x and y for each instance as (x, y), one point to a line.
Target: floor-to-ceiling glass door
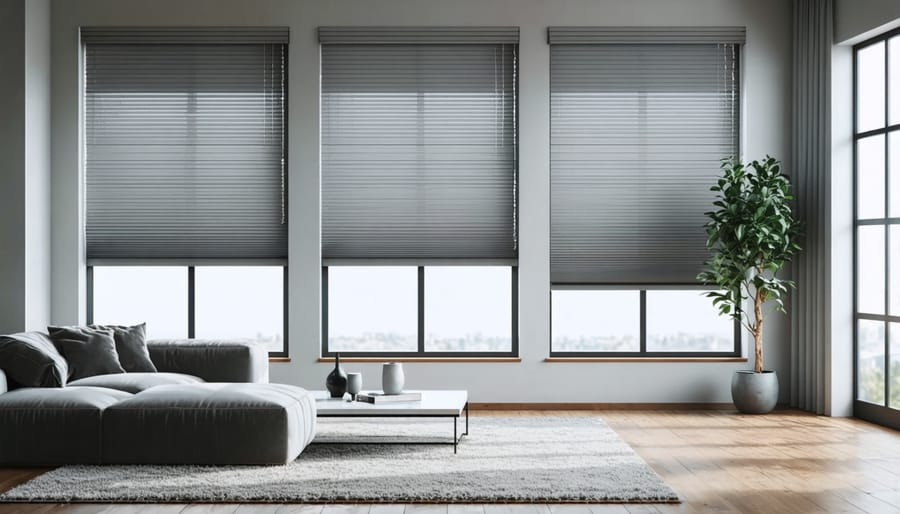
(877, 225)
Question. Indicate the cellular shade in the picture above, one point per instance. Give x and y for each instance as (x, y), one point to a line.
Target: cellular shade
(637, 134)
(418, 148)
(184, 144)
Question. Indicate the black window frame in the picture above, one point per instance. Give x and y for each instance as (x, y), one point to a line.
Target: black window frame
(881, 414)
(420, 336)
(191, 300)
(642, 352)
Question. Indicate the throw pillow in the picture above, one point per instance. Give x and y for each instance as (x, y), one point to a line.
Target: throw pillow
(29, 359)
(131, 345)
(89, 351)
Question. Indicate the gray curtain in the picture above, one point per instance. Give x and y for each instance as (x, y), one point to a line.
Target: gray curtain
(811, 170)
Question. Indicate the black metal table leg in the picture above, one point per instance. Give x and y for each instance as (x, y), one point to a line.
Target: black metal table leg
(455, 440)
(467, 419)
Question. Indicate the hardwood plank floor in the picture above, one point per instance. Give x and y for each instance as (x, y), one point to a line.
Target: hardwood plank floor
(717, 461)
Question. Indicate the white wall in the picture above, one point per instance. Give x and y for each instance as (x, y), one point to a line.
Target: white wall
(24, 165)
(858, 20)
(766, 131)
(37, 164)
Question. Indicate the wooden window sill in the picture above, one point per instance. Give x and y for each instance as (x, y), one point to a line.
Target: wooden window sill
(645, 359)
(422, 359)
(279, 359)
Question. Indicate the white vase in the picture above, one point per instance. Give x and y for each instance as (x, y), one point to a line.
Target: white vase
(392, 378)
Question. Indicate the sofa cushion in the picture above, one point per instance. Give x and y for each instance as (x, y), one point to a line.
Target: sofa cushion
(210, 424)
(31, 360)
(53, 426)
(131, 345)
(135, 382)
(89, 351)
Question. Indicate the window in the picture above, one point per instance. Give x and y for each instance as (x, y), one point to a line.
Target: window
(372, 309)
(468, 309)
(131, 295)
(687, 321)
(877, 229)
(184, 144)
(420, 311)
(206, 302)
(640, 119)
(240, 302)
(419, 190)
(637, 323)
(588, 321)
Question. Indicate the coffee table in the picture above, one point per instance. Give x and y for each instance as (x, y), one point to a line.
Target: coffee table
(434, 404)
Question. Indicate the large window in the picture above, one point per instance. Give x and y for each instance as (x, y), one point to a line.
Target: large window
(128, 295)
(185, 180)
(639, 323)
(877, 228)
(206, 302)
(420, 311)
(640, 120)
(419, 190)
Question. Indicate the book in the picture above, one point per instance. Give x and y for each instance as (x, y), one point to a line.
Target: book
(375, 397)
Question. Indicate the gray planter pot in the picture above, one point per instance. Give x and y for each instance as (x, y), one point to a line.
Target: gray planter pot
(754, 393)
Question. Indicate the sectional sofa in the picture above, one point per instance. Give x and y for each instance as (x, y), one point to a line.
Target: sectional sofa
(208, 403)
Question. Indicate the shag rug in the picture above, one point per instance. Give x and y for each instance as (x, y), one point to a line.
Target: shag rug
(502, 460)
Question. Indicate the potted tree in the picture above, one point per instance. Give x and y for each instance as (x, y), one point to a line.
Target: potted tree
(751, 234)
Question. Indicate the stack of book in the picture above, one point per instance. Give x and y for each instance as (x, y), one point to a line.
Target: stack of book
(377, 397)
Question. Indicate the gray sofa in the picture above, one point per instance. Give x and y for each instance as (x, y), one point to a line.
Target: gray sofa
(209, 403)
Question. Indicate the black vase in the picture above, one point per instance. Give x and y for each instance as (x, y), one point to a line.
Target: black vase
(337, 379)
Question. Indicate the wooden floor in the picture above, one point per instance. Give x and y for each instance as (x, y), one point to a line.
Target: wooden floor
(717, 461)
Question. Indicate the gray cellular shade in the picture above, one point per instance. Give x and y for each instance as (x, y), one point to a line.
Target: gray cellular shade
(418, 151)
(637, 134)
(184, 150)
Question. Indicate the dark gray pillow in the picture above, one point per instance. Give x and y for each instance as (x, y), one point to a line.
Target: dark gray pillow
(30, 359)
(131, 345)
(89, 351)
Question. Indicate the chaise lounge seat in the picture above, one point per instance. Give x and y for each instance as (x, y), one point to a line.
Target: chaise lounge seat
(210, 424)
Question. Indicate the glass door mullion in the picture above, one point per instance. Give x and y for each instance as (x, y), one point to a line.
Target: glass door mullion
(887, 231)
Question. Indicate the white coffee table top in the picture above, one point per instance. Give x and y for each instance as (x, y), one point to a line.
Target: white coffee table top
(433, 403)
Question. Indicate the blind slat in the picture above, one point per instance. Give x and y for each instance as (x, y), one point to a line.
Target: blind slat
(637, 133)
(418, 151)
(184, 149)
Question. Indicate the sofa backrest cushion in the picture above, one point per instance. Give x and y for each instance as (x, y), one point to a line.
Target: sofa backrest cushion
(89, 351)
(30, 359)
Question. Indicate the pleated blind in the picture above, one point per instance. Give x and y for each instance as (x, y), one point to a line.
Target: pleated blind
(184, 144)
(418, 145)
(637, 134)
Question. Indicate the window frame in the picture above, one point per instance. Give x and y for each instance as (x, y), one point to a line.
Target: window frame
(881, 414)
(642, 352)
(420, 332)
(191, 304)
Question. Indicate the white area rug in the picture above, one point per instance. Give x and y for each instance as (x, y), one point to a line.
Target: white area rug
(503, 459)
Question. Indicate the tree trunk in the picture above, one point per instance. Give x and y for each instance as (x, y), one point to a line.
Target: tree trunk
(758, 330)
